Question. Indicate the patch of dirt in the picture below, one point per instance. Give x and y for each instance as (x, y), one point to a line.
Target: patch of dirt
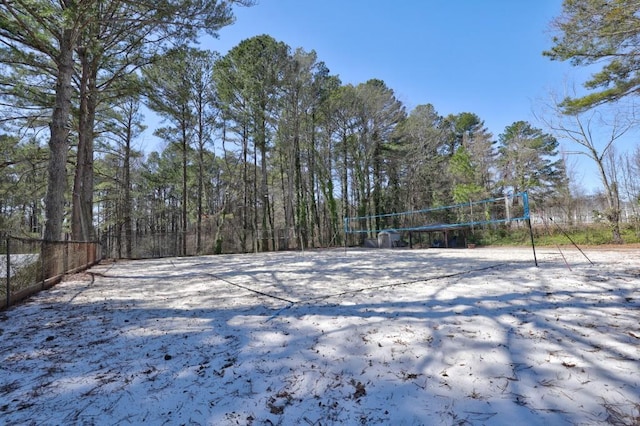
(81, 276)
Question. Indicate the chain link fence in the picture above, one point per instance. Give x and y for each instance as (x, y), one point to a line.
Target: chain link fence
(31, 265)
(169, 244)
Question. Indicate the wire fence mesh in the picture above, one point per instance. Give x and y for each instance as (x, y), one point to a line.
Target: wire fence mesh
(31, 265)
(147, 245)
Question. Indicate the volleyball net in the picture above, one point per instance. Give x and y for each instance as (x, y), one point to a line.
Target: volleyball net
(457, 216)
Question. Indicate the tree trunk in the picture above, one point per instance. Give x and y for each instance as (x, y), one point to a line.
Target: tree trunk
(245, 190)
(200, 196)
(301, 203)
(313, 189)
(82, 199)
(201, 149)
(345, 182)
(184, 191)
(254, 201)
(59, 141)
(613, 213)
(377, 179)
(613, 201)
(264, 191)
(126, 205)
(286, 187)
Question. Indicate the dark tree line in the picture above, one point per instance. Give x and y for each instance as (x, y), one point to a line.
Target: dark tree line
(265, 150)
(66, 62)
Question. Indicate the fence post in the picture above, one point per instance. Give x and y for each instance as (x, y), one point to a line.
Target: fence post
(65, 255)
(43, 273)
(8, 271)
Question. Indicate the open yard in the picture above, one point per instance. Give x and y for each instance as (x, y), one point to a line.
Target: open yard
(398, 336)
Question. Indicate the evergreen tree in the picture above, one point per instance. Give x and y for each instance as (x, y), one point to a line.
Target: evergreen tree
(527, 161)
(423, 175)
(45, 43)
(595, 32)
(249, 80)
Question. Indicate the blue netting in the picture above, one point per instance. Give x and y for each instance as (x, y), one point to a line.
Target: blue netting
(457, 216)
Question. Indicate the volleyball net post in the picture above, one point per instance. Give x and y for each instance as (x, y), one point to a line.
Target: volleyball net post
(525, 200)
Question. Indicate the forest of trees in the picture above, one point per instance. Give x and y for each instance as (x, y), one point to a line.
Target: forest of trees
(265, 149)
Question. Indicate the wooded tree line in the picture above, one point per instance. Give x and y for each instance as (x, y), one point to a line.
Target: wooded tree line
(265, 149)
(65, 66)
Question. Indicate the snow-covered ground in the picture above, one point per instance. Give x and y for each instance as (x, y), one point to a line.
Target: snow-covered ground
(403, 337)
(18, 261)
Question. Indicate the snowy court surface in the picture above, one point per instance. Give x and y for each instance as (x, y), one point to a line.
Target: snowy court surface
(371, 337)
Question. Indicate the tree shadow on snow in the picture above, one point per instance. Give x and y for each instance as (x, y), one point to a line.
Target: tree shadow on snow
(325, 339)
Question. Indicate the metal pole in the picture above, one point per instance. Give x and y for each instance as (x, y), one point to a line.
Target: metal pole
(506, 206)
(8, 270)
(525, 202)
(346, 234)
(533, 246)
(570, 239)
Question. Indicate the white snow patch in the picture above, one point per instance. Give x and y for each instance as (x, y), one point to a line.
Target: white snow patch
(413, 337)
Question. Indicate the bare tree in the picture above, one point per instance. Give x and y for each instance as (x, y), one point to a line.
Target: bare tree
(594, 133)
(629, 178)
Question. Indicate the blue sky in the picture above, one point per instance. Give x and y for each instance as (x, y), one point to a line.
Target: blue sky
(479, 56)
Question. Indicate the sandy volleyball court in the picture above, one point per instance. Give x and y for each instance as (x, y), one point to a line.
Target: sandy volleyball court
(414, 337)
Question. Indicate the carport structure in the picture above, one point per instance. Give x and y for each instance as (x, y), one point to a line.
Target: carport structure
(452, 235)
